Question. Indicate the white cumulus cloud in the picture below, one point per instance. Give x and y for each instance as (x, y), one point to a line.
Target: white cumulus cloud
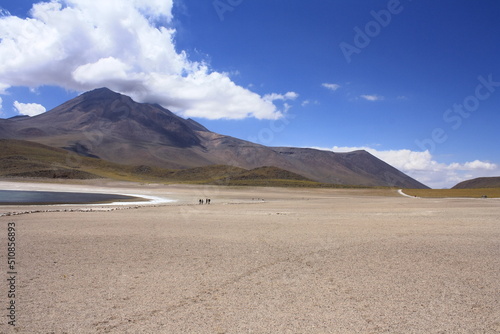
(29, 109)
(372, 98)
(127, 46)
(282, 97)
(331, 86)
(473, 165)
(105, 68)
(423, 167)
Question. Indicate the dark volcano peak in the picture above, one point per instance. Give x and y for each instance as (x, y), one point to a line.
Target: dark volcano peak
(102, 92)
(105, 124)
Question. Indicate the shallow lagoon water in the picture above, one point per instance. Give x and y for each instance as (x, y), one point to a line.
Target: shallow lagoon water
(18, 197)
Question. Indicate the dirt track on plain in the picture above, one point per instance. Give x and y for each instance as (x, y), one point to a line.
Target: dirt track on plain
(258, 260)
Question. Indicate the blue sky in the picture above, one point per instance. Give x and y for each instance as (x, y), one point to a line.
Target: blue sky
(416, 83)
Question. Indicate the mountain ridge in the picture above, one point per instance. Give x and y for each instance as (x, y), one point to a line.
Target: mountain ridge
(111, 126)
(479, 183)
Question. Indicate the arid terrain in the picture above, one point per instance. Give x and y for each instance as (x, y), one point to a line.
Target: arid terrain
(256, 260)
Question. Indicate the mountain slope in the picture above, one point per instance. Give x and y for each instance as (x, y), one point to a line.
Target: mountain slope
(113, 127)
(110, 126)
(20, 158)
(479, 183)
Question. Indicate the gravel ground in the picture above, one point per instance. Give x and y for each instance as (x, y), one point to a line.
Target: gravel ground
(257, 260)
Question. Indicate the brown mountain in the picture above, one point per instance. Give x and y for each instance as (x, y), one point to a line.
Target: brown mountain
(480, 182)
(110, 126)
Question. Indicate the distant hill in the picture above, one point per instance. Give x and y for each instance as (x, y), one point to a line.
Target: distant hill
(267, 172)
(480, 182)
(105, 125)
(270, 176)
(32, 160)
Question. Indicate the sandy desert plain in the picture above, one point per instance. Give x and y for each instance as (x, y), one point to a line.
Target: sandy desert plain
(256, 260)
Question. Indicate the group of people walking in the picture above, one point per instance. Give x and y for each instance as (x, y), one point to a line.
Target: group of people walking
(204, 201)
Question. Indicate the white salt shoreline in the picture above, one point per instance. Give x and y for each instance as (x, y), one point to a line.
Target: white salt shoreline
(152, 200)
